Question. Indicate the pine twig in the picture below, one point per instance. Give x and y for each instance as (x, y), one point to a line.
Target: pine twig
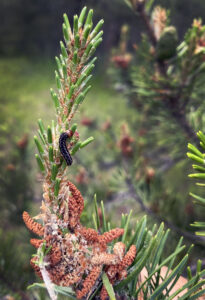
(189, 236)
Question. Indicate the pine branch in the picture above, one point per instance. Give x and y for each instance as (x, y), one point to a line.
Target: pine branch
(180, 118)
(140, 8)
(185, 234)
(74, 67)
(147, 24)
(173, 103)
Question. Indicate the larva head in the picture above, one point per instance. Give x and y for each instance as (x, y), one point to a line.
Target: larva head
(69, 133)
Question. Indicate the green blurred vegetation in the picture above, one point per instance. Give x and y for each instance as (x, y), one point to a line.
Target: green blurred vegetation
(18, 107)
(29, 37)
(34, 27)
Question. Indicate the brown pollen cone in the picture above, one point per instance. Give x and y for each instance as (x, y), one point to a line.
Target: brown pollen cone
(89, 282)
(55, 255)
(111, 235)
(87, 122)
(119, 249)
(118, 272)
(36, 267)
(105, 258)
(23, 142)
(76, 205)
(125, 145)
(122, 61)
(32, 225)
(129, 257)
(89, 234)
(104, 294)
(36, 243)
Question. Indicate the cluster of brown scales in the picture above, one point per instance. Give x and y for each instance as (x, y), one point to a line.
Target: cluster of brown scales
(77, 255)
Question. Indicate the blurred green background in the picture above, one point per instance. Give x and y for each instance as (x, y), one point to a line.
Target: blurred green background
(29, 39)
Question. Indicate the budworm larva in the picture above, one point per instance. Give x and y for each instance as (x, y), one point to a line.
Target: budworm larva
(63, 148)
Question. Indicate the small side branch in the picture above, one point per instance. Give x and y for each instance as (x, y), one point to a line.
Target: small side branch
(189, 236)
(148, 27)
(181, 120)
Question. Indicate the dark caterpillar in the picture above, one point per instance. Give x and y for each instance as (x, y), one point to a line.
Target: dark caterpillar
(63, 148)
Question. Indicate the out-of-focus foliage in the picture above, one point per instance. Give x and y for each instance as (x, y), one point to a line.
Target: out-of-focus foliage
(43, 23)
(33, 27)
(16, 188)
(15, 271)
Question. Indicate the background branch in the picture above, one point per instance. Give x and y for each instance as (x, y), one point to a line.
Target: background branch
(189, 236)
